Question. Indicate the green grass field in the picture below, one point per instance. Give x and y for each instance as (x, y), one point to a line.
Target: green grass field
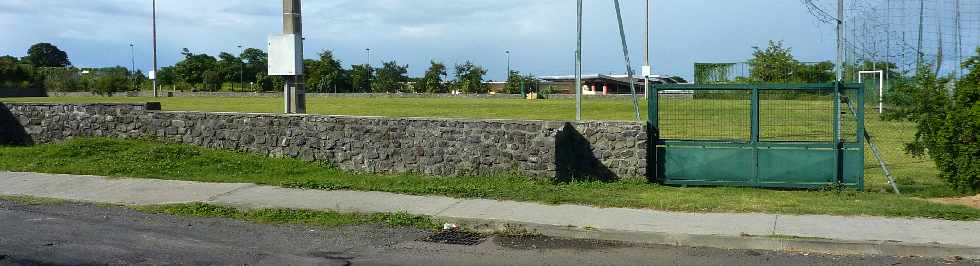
(781, 120)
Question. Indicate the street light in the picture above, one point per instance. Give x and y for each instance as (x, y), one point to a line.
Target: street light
(241, 73)
(508, 65)
(368, 56)
(153, 76)
(132, 58)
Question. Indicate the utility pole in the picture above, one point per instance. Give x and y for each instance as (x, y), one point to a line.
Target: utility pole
(578, 67)
(647, 70)
(295, 92)
(368, 57)
(840, 40)
(919, 56)
(153, 75)
(241, 72)
(508, 65)
(132, 58)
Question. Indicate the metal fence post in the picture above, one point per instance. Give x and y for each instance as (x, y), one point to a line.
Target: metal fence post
(754, 137)
(653, 135)
(838, 151)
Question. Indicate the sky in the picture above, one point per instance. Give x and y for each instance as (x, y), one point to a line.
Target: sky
(539, 33)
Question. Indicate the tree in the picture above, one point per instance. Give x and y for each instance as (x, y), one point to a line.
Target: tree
(708, 73)
(46, 55)
(193, 67)
(14, 74)
(256, 61)
(432, 81)
(391, 78)
(775, 64)
(469, 78)
(821, 72)
(229, 67)
(517, 82)
(361, 77)
(109, 81)
(327, 74)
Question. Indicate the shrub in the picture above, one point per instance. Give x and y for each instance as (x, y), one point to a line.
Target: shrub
(948, 125)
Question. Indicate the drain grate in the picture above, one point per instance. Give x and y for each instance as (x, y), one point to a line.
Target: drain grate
(455, 237)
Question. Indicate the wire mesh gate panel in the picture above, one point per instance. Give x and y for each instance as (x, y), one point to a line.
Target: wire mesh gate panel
(762, 135)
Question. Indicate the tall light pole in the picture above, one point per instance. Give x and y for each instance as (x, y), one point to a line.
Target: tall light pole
(578, 67)
(241, 72)
(368, 57)
(508, 66)
(132, 58)
(647, 70)
(153, 76)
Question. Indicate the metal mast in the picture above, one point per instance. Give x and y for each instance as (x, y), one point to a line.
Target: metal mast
(154, 75)
(295, 92)
(647, 70)
(578, 67)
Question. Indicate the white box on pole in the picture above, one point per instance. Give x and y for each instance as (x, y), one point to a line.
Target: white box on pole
(647, 71)
(284, 58)
(153, 75)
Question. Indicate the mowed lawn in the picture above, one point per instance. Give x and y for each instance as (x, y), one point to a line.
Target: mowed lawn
(705, 119)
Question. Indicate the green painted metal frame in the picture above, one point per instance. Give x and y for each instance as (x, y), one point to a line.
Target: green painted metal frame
(756, 163)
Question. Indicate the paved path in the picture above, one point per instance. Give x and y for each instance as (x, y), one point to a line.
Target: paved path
(864, 235)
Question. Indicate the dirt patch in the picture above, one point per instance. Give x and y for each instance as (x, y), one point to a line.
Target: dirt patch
(973, 201)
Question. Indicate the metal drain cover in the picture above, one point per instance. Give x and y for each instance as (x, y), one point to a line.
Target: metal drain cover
(455, 237)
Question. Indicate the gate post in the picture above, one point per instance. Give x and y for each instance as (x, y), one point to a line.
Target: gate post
(653, 135)
(838, 144)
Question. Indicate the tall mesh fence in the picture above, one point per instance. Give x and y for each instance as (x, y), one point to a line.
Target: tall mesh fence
(786, 115)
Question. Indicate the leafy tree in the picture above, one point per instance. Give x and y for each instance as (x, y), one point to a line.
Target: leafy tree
(816, 73)
(167, 76)
(432, 81)
(256, 62)
(469, 78)
(327, 74)
(46, 55)
(212, 80)
(955, 146)
(229, 67)
(517, 81)
(707, 73)
(193, 67)
(109, 81)
(391, 78)
(14, 74)
(361, 77)
(775, 64)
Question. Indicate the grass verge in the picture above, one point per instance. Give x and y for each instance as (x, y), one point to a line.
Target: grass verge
(148, 159)
(289, 216)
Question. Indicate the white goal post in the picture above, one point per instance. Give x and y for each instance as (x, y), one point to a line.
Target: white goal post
(881, 86)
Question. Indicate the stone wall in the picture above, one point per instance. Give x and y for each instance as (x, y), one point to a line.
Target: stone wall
(446, 147)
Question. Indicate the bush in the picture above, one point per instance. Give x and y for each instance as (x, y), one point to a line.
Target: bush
(108, 84)
(948, 125)
(957, 147)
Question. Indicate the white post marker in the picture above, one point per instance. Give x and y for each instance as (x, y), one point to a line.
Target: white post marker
(881, 87)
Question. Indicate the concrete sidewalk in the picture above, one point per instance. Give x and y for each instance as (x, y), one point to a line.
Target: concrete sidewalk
(806, 233)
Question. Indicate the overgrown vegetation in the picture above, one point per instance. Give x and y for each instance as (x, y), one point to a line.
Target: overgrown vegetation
(948, 122)
(289, 216)
(147, 159)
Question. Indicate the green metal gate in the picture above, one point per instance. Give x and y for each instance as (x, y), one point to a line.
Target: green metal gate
(760, 135)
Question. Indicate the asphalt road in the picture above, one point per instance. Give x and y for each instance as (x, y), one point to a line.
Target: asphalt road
(85, 234)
